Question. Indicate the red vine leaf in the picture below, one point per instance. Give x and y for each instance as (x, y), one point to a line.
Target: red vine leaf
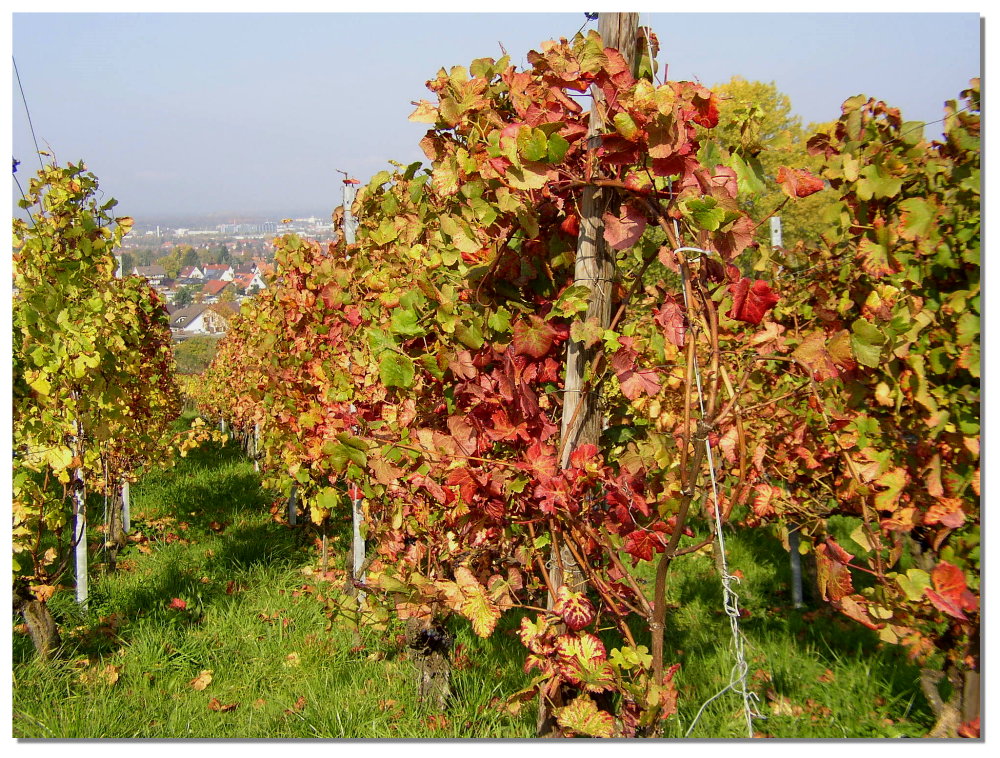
(584, 453)
(583, 660)
(947, 511)
(751, 300)
(634, 382)
(671, 320)
(763, 501)
(623, 231)
(951, 594)
(832, 573)
(643, 543)
(533, 337)
(970, 729)
(573, 608)
(797, 182)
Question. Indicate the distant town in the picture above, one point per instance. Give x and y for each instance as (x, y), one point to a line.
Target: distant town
(204, 271)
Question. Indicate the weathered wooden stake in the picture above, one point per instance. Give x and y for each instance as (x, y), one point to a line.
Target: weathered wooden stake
(582, 421)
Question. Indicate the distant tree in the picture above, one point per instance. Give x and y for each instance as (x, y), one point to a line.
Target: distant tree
(224, 255)
(228, 295)
(144, 256)
(189, 256)
(186, 294)
(193, 355)
(171, 263)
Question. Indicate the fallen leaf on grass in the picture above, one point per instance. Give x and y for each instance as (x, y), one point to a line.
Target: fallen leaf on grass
(293, 659)
(783, 706)
(108, 675)
(178, 604)
(203, 679)
(259, 703)
(826, 677)
(299, 705)
(215, 705)
(436, 722)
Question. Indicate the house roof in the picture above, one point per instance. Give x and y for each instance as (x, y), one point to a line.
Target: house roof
(187, 271)
(243, 280)
(216, 270)
(149, 271)
(214, 287)
(180, 318)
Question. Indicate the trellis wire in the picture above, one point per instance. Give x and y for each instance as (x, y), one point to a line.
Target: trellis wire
(738, 675)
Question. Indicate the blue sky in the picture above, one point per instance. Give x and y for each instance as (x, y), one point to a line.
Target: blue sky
(195, 113)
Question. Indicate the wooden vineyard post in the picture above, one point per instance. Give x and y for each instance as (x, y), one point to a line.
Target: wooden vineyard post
(582, 421)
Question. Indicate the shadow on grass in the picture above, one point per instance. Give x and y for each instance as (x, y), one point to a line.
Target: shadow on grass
(816, 631)
(208, 515)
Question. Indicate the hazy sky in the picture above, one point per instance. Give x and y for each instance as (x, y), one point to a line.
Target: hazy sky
(196, 113)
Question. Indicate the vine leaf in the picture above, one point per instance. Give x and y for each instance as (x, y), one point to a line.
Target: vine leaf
(573, 608)
(833, 575)
(396, 370)
(643, 543)
(634, 382)
(751, 300)
(476, 604)
(671, 320)
(951, 594)
(533, 337)
(622, 231)
(797, 182)
(583, 717)
(583, 660)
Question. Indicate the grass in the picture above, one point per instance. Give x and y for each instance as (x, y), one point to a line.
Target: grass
(255, 618)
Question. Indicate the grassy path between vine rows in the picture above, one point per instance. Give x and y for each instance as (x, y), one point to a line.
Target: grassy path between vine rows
(132, 666)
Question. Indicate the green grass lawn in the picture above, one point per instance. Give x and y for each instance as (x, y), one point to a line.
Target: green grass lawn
(133, 666)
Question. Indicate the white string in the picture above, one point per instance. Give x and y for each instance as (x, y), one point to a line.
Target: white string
(730, 600)
(649, 49)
